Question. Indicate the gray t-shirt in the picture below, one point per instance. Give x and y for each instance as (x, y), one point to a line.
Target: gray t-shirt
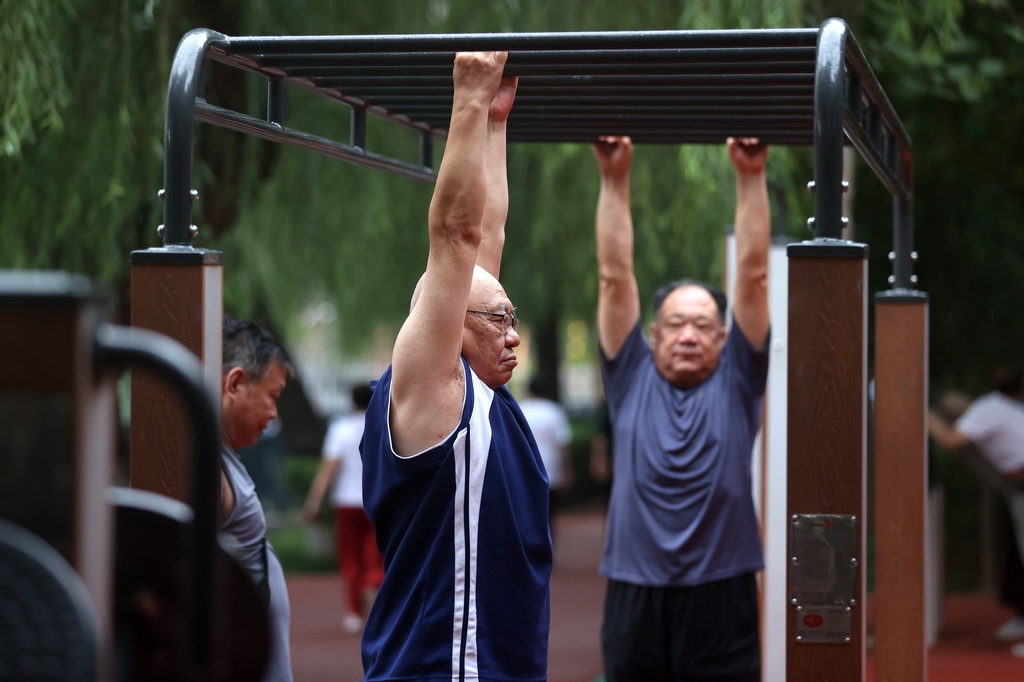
(246, 531)
(681, 511)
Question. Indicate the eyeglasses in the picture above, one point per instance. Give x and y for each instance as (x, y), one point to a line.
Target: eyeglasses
(508, 320)
(703, 325)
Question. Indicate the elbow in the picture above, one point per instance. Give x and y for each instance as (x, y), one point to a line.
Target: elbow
(754, 279)
(457, 208)
(613, 279)
(614, 262)
(457, 224)
(759, 279)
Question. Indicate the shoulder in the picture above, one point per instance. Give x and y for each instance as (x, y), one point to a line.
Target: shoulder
(411, 427)
(987, 411)
(985, 406)
(746, 357)
(634, 349)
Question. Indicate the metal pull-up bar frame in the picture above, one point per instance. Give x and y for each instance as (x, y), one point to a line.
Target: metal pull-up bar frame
(788, 86)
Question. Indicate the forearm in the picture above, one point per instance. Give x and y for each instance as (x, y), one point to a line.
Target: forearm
(614, 229)
(492, 241)
(316, 493)
(752, 226)
(318, 489)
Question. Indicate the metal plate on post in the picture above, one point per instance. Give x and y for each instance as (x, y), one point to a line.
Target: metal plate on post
(823, 560)
(823, 624)
(823, 576)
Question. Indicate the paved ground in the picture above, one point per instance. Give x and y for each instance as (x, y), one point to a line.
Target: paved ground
(966, 650)
(322, 652)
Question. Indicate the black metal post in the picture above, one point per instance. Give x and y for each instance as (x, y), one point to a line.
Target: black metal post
(275, 101)
(903, 255)
(359, 128)
(186, 74)
(829, 86)
(427, 150)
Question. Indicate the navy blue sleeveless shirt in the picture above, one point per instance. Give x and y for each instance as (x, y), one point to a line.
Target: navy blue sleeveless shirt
(463, 528)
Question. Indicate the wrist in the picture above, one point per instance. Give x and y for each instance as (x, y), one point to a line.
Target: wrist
(750, 173)
(615, 180)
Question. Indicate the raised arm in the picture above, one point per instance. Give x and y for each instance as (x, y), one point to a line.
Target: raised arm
(427, 378)
(753, 239)
(496, 207)
(618, 298)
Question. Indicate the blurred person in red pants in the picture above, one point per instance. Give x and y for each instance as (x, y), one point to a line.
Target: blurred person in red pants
(359, 561)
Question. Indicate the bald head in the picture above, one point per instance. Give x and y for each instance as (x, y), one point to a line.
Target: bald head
(482, 280)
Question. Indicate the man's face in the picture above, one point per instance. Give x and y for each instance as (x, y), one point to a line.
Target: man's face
(247, 405)
(687, 337)
(488, 341)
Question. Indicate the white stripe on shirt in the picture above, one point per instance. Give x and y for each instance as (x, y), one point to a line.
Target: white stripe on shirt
(466, 668)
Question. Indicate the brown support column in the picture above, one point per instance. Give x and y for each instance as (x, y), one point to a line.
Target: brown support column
(826, 464)
(177, 291)
(901, 485)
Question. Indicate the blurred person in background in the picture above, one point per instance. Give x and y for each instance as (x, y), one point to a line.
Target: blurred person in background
(994, 424)
(551, 429)
(360, 563)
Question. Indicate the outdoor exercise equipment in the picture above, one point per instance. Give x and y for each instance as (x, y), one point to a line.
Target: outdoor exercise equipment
(808, 87)
(153, 566)
(49, 627)
(70, 555)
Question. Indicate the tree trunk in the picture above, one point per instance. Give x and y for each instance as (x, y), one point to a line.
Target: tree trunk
(548, 351)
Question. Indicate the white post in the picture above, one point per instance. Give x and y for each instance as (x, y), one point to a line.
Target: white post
(769, 465)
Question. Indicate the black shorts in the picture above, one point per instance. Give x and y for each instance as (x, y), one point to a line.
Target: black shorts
(701, 633)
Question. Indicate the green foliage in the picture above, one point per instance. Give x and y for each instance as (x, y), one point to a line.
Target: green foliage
(962, 100)
(303, 549)
(76, 165)
(34, 83)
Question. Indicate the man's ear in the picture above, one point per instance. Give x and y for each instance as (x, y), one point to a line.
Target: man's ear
(233, 380)
(652, 334)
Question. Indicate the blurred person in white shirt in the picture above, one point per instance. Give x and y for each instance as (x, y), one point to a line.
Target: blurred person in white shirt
(359, 561)
(551, 429)
(994, 423)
